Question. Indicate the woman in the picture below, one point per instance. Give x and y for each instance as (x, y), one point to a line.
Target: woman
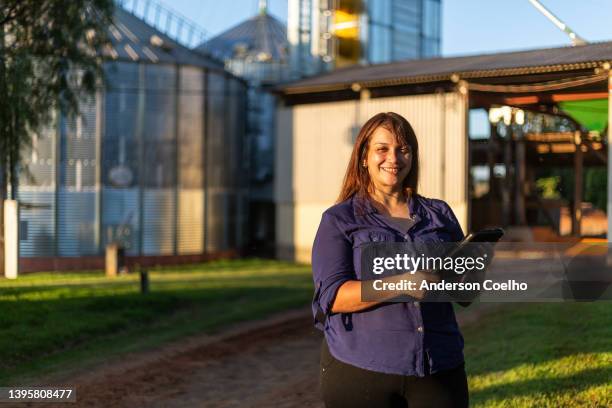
(382, 354)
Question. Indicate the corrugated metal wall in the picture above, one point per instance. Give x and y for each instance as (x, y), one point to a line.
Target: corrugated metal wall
(227, 161)
(238, 156)
(191, 161)
(318, 139)
(37, 195)
(78, 191)
(132, 167)
(216, 172)
(159, 160)
(122, 130)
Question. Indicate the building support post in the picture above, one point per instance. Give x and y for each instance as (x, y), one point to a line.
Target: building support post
(11, 239)
(519, 187)
(491, 161)
(507, 185)
(578, 170)
(609, 207)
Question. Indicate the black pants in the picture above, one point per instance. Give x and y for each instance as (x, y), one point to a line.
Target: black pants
(344, 385)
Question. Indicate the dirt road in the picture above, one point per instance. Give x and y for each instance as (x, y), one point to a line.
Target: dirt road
(273, 362)
(269, 363)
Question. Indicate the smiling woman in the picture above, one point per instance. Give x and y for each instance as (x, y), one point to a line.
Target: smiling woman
(394, 147)
(384, 354)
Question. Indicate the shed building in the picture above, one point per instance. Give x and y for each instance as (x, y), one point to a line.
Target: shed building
(320, 117)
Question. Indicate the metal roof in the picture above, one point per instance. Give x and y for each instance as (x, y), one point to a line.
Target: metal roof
(135, 41)
(262, 37)
(453, 68)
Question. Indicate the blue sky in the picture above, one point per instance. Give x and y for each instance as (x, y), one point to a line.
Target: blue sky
(468, 26)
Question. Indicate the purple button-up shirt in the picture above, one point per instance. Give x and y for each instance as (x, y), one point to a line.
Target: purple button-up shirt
(408, 338)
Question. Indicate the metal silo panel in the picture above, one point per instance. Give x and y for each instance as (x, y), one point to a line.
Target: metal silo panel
(226, 163)
(38, 160)
(190, 156)
(121, 156)
(216, 164)
(37, 222)
(37, 195)
(191, 221)
(77, 195)
(76, 223)
(158, 231)
(215, 137)
(159, 160)
(233, 143)
(120, 217)
(242, 160)
(217, 213)
(242, 163)
(236, 132)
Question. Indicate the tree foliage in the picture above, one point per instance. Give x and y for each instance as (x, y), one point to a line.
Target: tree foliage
(50, 59)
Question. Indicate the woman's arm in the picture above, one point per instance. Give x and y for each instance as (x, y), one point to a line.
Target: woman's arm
(337, 289)
(348, 298)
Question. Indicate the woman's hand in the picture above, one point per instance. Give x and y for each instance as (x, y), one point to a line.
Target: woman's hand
(418, 277)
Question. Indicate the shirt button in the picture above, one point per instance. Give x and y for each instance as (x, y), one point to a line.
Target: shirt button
(420, 329)
(416, 304)
(406, 237)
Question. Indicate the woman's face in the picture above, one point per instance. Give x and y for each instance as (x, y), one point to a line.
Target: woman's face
(387, 161)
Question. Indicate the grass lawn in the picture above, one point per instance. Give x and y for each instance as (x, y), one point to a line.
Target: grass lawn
(522, 355)
(541, 355)
(53, 320)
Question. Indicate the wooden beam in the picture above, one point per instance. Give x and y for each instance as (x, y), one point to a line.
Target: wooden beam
(522, 100)
(579, 96)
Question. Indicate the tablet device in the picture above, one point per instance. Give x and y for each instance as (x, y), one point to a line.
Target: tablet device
(487, 235)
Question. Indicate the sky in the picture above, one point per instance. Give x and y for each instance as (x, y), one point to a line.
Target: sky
(468, 26)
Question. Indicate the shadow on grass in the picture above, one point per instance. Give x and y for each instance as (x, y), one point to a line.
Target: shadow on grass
(541, 386)
(536, 333)
(86, 289)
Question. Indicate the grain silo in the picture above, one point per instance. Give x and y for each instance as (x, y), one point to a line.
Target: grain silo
(155, 162)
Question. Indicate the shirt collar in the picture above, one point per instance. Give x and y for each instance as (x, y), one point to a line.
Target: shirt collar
(363, 206)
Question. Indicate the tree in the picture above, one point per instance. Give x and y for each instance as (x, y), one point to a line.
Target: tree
(50, 59)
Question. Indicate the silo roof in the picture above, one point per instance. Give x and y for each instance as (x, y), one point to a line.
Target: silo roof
(134, 40)
(262, 36)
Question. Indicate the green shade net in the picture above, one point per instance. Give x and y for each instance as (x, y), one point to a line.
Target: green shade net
(591, 113)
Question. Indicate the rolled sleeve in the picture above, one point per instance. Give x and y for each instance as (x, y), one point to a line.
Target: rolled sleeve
(332, 265)
(454, 226)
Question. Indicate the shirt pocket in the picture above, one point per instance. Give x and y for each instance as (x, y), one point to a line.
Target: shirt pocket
(361, 238)
(434, 235)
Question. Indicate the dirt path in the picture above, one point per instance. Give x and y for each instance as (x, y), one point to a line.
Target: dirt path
(268, 363)
(273, 362)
